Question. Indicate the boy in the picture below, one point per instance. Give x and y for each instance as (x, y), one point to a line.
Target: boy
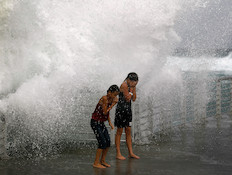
(100, 115)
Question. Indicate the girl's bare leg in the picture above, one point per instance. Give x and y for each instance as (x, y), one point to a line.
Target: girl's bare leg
(96, 163)
(103, 158)
(117, 143)
(129, 143)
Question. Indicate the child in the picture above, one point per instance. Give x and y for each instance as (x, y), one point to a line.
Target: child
(100, 115)
(123, 116)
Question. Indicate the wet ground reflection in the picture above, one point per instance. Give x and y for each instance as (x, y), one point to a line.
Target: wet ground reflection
(196, 149)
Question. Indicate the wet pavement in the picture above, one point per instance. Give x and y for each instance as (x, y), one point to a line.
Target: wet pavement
(203, 149)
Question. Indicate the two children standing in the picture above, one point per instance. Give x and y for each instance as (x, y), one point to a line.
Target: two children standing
(123, 119)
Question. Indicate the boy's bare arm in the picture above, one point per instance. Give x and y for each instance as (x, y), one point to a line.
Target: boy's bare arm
(115, 101)
(104, 105)
(111, 125)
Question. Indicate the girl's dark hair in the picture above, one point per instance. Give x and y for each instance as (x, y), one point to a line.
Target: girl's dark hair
(132, 76)
(113, 88)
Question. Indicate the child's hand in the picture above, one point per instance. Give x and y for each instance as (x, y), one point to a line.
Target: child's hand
(131, 89)
(112, 126)
(116, 99)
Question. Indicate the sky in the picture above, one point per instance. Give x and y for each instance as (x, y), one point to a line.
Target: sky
(205, 26)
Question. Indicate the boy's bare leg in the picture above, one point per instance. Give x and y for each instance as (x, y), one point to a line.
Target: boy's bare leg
(117, 143)
(103, 158)
(96, 163)
(129, 143)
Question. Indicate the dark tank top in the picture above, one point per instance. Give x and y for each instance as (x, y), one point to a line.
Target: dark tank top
(123, 114)
(98, 113)
(122, 103)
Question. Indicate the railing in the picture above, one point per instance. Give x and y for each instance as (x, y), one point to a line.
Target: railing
(150, 118)
(224, 96)
(192, 109)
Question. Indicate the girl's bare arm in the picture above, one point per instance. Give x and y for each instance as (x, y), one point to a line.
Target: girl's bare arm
(134, 94)
(124, 90)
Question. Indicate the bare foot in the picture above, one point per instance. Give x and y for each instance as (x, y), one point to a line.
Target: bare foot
(134, 156)
(120, 157)
(98, 166)
(105, 164)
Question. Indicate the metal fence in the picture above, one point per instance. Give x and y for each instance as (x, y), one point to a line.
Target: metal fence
(150, 118)
(194, 106)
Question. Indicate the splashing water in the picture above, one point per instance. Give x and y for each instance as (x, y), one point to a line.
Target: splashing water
(58, 58)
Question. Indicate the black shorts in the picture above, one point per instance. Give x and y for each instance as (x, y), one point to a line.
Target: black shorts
(101, 133)
(123, 117)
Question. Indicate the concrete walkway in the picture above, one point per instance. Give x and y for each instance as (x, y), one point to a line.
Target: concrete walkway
(196, 150)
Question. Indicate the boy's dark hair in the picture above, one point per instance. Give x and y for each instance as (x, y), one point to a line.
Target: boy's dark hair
(113, 88)
(132, 76)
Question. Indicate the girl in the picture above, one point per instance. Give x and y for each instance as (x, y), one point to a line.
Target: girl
(123, 116)
(100, 115)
